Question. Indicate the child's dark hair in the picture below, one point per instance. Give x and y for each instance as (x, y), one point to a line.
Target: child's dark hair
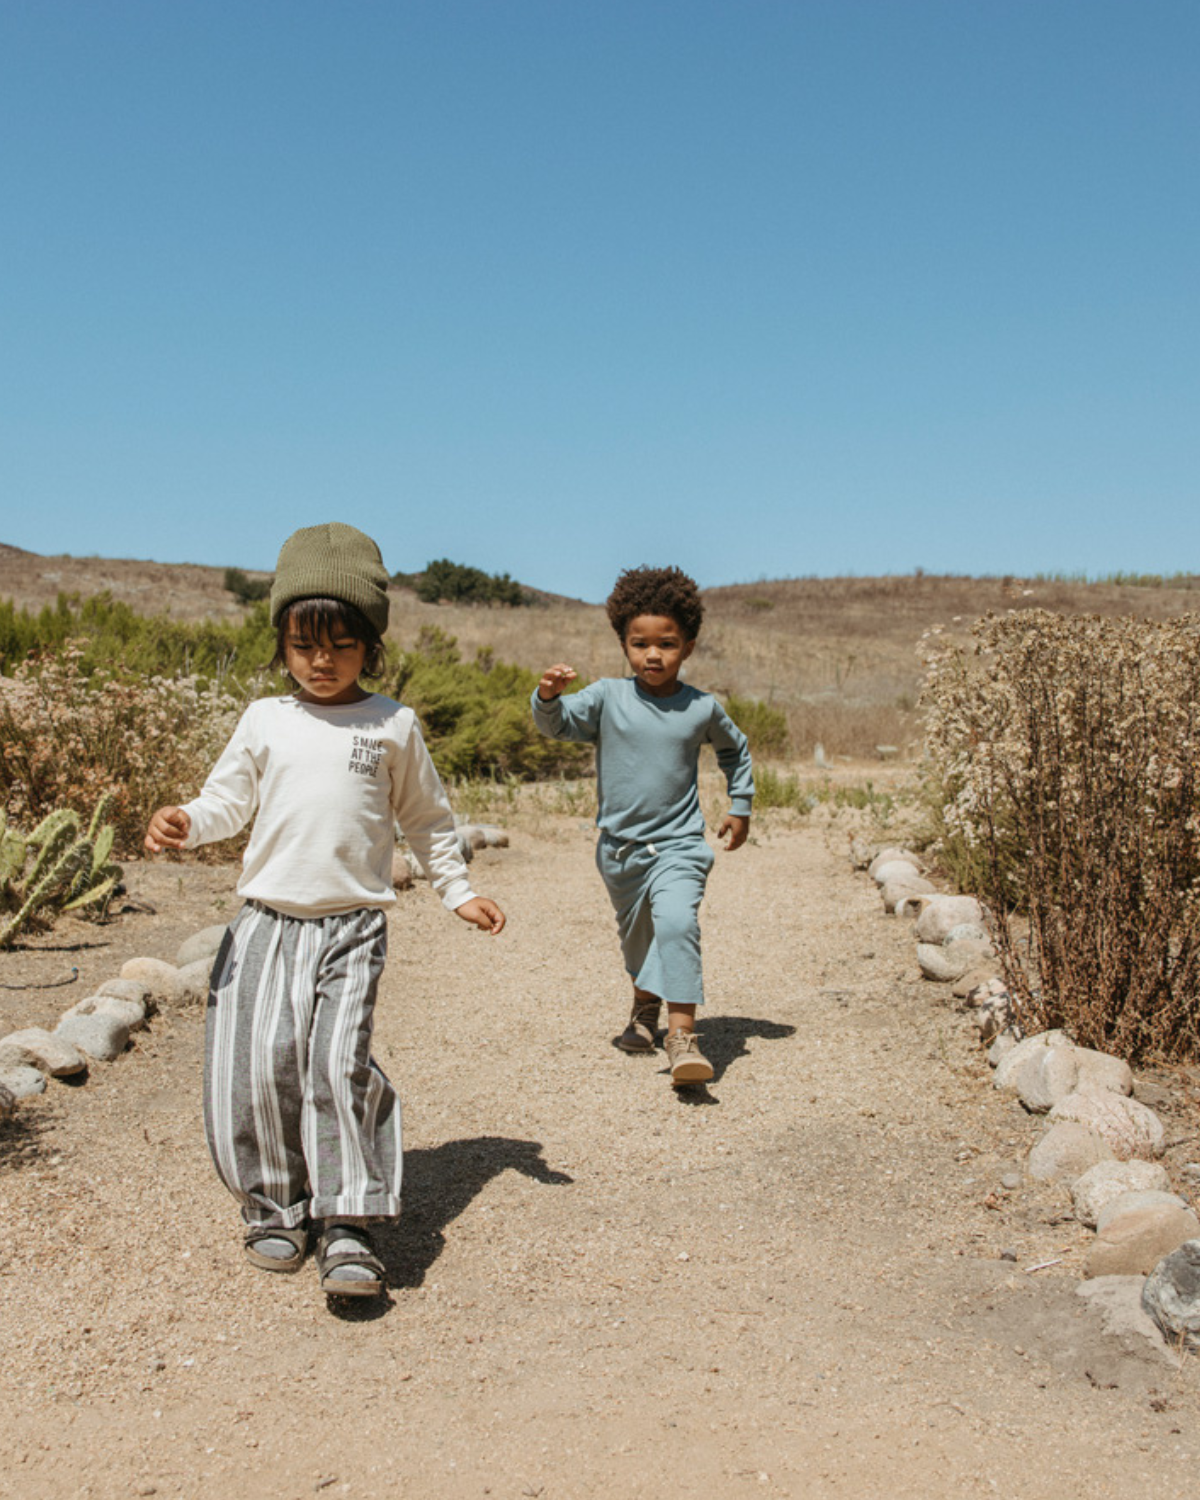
(656, 591)
(326, 618)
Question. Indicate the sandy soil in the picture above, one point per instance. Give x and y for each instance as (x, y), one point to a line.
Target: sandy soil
(787, 1283)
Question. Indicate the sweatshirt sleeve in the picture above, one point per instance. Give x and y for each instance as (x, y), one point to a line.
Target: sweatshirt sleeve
(229, 797)
(733, 757)
(573, 716)
(423, 812)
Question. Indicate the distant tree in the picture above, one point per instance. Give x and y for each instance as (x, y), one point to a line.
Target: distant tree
(457, 583)
(246, 590)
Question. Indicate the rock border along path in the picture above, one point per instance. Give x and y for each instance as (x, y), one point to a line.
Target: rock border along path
(791, 1282)
(1101, 1143)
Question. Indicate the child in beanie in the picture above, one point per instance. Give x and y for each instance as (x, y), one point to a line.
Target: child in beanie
(303, 1126)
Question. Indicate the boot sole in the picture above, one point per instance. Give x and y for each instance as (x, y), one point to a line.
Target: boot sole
(691, 1072)
(634, 1048)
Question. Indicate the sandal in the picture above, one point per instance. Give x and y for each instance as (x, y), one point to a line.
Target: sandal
(362, 1254)
(297, 1238)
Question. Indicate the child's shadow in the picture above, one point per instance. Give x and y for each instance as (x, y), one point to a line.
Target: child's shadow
(439, 1183)
(724, 1040)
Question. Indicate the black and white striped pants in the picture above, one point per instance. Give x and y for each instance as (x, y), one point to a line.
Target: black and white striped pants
(301, 1121)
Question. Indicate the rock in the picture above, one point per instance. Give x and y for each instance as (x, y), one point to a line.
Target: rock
(131, 1012)
(8, 1100)
(1045, 1076)
(1109, 1180)
(157, 976)
(1129, 1127)
(402, 875)
(968, 932)
(995, 1018)
(36, 1048)
(473, 834)
(895, 869)
(189, 986)
(1133, 1243)
(951, 961)
(101, 1037)
(1171, 1295)
(941, 964)
(1119, 1301)
(942, 914)
(203, 944)
(465, 846)
(1136, 1198)
(986, 989)
(893, 853)
(22, 1081)
(1011, 1181)
(494, 836)
(1101, 1074)
(1013, 1060)
(1009, 1038)
(1066, 1152)
(975, 985)
(1191, 1172)
(897, 891)
(861, 853)
(129, 989)
(1152, 1095)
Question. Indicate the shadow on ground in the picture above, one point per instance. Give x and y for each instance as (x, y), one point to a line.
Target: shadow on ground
(723, 1040)
(21, 1140)
(439, 1183)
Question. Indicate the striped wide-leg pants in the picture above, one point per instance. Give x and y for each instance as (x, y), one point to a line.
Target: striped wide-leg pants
(301, 1121)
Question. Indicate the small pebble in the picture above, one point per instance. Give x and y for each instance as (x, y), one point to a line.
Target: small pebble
(1008, 1255)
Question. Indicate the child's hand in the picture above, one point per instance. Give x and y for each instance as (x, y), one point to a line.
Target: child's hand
(554, 679)
(738, 829)
(168, 829)
(484, 913)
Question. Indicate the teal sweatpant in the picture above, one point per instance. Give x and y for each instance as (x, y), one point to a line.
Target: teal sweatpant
(656, 890)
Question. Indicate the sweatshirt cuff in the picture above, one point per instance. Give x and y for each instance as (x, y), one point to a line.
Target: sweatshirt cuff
(457, 894)
(741, 807)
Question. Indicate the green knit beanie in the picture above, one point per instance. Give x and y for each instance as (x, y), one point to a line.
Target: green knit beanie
(333, 561)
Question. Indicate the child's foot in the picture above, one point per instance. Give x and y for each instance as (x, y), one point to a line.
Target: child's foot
(688, 1063)
(276, 1249)
(641, 1033)
(347, 1264)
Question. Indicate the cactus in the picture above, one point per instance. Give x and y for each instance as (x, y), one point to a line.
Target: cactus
(71, 870)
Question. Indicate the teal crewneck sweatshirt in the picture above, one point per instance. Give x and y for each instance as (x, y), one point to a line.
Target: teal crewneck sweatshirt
(648, 752)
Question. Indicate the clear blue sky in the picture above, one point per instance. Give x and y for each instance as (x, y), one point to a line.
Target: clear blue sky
(553, 287)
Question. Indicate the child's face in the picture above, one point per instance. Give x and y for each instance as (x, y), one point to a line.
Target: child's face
(655, 647)
(327, 668)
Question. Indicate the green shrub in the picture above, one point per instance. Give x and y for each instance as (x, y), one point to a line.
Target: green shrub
(764, 726)
(444, 581)
(246, 590)
(1064, 770)
(109, 635)
(476, 715)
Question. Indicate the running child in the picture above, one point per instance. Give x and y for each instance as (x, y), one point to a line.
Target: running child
(303, 1126)
(652, 854)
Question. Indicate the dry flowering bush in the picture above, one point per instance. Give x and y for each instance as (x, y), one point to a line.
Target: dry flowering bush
(67, 736)
(1063, 754)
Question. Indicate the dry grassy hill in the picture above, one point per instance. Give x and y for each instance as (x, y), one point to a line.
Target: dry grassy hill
(839, 655)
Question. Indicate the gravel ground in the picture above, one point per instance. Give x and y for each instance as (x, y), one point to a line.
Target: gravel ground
(788, 1282)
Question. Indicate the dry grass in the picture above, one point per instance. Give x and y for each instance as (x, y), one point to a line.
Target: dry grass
(838, 655)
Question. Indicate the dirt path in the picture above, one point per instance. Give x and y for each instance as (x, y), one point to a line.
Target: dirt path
(786, 1284)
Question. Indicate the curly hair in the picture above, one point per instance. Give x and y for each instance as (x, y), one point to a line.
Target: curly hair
(656, 591)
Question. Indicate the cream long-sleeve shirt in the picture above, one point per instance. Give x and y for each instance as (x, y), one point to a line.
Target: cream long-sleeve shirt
(328, 785)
